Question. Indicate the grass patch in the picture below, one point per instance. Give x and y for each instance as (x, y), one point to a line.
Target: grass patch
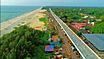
(45, 20)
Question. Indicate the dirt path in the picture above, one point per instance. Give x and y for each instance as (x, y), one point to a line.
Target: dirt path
(67, 51)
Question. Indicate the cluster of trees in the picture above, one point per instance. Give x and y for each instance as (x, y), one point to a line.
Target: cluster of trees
(23, 43)
(98, 12)
(98, 28)
(102, 18)
(72, 13)
(68, 14)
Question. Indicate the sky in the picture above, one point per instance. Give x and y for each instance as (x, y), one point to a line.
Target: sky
(53, 2)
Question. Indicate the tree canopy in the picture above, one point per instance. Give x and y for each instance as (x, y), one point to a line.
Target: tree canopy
(98, 28)
(102, 18)
(23, 42)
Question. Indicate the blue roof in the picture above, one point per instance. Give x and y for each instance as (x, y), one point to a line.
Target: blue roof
(53, 43)
(49, 48)
(96, 39)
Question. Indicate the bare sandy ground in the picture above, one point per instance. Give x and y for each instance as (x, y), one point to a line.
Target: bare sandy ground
(31, 19)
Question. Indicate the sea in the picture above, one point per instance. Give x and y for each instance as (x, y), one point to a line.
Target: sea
(9, 12)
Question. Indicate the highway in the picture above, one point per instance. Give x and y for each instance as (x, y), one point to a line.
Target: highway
(85, 51)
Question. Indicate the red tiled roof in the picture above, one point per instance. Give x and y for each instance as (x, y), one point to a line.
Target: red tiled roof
(54, 38)
(86, 21)
(77, 26)
(90, 25)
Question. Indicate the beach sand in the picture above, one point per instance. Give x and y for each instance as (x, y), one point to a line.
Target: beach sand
(32, 19)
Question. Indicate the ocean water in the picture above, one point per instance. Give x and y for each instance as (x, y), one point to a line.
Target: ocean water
(9, 12)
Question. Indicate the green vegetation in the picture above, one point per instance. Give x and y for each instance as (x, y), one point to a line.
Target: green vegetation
(80, 14)
(98, 28)
(87, 28)
(45, 20)
(67, 14)
(102, 18)
(23, 43)
(60, 45)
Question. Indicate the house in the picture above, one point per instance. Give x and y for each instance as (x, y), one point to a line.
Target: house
(54, 43)
(85, 16)
(86, 21)
(77, 26)
(54, 38)
(49, 48)
(98, 20)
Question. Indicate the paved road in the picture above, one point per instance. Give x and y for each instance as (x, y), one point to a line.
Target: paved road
(84, 50)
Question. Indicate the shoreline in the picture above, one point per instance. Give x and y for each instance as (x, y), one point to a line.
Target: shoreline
(17, 17)
(26, 18)
(21, 13)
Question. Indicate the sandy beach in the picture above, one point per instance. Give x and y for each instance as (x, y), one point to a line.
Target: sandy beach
(31, 18)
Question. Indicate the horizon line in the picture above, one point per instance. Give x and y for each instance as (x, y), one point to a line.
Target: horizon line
(54, 5)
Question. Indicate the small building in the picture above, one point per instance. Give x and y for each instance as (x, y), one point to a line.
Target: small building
(77, 26)
(98, 20)
(49, 48)
(58, 56)
(92, 16)
(86, 21)
(54, 43)
(54, 40)
(85, 17)
(96, 42)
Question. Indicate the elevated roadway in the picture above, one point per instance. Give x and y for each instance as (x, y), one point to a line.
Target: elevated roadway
(85, 51)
